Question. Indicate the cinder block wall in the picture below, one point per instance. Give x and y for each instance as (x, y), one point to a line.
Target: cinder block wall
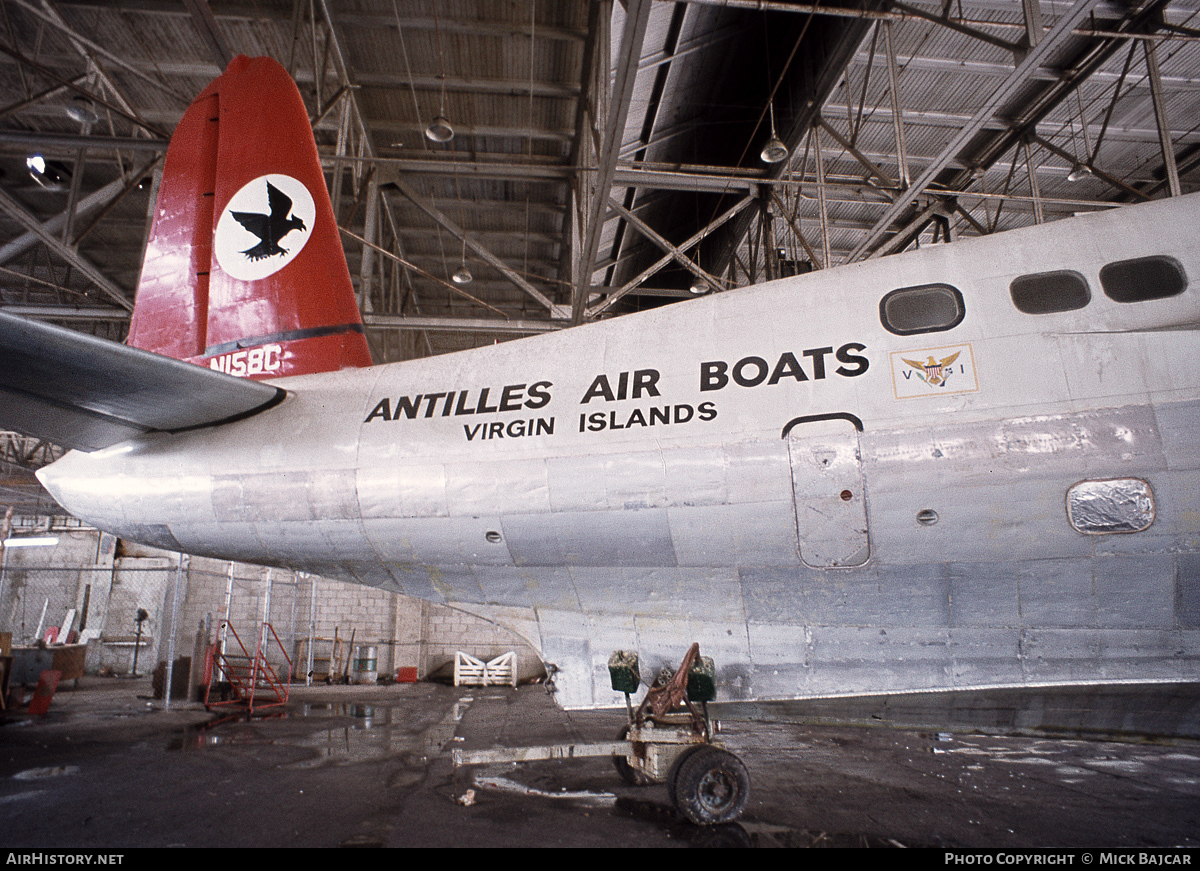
(447, 630)
(118, 578)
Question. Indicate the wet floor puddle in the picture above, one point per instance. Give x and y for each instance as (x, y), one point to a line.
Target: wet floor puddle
(357, 732)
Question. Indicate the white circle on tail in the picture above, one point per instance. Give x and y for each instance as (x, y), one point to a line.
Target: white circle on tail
(264, 225)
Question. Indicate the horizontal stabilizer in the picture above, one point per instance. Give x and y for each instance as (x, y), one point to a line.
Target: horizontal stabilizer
(87, 393)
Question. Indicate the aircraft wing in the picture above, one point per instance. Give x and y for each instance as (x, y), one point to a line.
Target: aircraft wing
(87, 393)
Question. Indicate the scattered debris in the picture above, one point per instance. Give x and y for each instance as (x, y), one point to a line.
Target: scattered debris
(503, 784)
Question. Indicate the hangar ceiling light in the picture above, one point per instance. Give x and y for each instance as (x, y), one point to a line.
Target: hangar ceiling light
(439, 130)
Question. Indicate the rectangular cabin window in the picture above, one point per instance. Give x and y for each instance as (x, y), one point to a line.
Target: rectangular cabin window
(927, 308)
(1049, 292)
(1143, 278)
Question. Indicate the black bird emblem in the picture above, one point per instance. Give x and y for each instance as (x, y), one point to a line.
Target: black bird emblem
(270, 229)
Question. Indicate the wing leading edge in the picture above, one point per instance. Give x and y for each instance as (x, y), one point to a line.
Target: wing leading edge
(87, 393)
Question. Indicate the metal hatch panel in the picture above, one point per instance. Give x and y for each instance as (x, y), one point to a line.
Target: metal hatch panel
(827, 486)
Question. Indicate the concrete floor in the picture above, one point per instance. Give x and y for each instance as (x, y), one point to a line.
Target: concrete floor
(369, 766)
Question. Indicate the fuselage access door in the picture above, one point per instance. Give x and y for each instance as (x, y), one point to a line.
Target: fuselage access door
(828, 490)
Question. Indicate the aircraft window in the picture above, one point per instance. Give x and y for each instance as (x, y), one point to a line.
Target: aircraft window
(1050, 292)
(928, 308)
(1142, 279)
(1115, 505)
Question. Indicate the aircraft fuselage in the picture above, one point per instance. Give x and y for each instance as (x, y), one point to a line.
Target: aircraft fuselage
(862, 479)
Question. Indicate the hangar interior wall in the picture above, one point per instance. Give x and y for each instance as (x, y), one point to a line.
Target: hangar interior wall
(107, 581)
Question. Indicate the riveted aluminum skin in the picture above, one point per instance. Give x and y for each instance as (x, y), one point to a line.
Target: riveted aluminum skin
(633, 484)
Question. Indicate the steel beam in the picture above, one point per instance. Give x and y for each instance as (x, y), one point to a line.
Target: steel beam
(77, 171)
(71, 141)
(1160, 118)
(897, 111)
(651, 270)
(366, 269)
(55, 225)
(434, 212)
(408, 264)
(514, 131)
(83, 313)
(702, 43)
(498, 87)
(637, 14)
(352, 114)
(460, 325)
(464, 25)
(1095, 170)
(914, 228)
(210, 33)
(1061, 31)
(1032, 11)
(1039, 216)
(122, 107)
(1035, 104)
(680, 258)
(996, 69)
(808, 249)
(430, 165)
(858, 155)
(580, 157)
(882, 115)
(903, 12)
(38, 97)
(957, 27)
(734, 181)
(66, 252)
(49, 14)
(822, 199)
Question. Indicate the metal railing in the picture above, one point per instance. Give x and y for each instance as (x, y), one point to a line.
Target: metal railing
(254, 682)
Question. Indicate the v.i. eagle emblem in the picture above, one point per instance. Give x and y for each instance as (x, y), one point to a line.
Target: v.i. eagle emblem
(934, 372)
(263, 227)
(271, 228)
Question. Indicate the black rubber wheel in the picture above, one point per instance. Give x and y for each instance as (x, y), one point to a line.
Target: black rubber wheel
(628, 773)
(711, 786)
(674, 772)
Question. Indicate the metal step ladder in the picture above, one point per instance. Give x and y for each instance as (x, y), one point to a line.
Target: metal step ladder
(252, 682)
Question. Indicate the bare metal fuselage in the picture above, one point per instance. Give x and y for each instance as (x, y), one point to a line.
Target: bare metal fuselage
(764, 471)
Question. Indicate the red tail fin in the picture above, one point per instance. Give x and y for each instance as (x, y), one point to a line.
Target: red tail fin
(244, 271)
